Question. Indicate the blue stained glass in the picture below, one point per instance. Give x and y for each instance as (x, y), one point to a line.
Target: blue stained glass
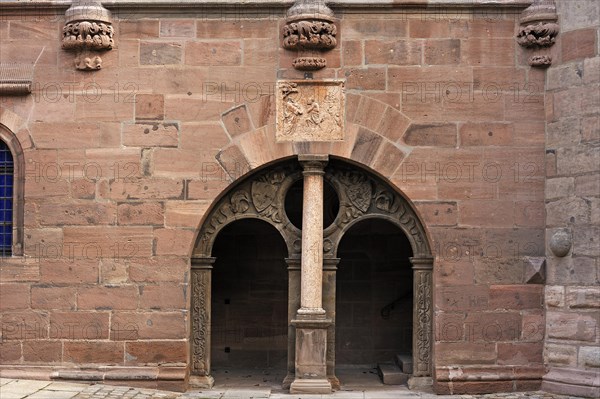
(6, 199)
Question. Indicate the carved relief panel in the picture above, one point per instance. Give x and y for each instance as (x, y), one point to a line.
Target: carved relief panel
(310, 110)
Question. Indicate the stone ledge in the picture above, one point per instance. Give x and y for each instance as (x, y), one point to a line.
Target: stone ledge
(283, 4)
(152, 377)
(572, 382)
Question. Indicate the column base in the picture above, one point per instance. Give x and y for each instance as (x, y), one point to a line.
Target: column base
(287, 381)
(201, 381)
(309, 386)
(335, 382)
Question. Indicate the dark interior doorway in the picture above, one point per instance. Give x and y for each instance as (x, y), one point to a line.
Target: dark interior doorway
(249, 298)
(374, 295)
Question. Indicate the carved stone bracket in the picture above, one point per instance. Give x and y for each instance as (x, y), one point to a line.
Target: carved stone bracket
(310, 30)
(539, 29)
(88, 29)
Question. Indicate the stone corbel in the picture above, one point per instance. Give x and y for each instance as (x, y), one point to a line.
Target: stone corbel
(87, 31)
(538, 31)
(309, 30)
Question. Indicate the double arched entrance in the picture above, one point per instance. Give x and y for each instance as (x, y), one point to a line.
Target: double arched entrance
(374, 282)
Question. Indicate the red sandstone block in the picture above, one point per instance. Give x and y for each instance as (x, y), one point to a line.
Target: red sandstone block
(370, 78)
(529, 214)
(516, 297)
(578, 44)
(492, 327)
(491, 213)
(475, 387)
(14, 296)
(146, 189)
(257, 148)
(10, 352)
(503, 81)
(361, 27)
(463, 353)
(528, 107)
(228, 53)
(70, 268)
(173, 241)
(395, 52)
(103, 107)
(123, 297)
(52, 214)
(151, 134)
(164, 296)
(152, 53)
(366, 146)
(117, 242)
(263, 52)
(24, 325)
(208, 188)
(245, 28)
(370, 113)
(388, 159)
(138, 29)
(207, 109)
(148, 325)
(534, 326)
(234, 162)
(488, 51)
(79, 325)
(571, 326)
(43, 297)
(463, 298)
(42, 351)
(457, 272)
(524, 353)
(156, 352)
(81, 135)
(208, 136)
(141, 213)
(19, 270)
(94, 352)
(442, 52)
(176, 163)
(187, 213)
(149, 106)
(352, 52)
(486, 134)
(431, 135)
(41, 30)
(177, 28)
(393, 124)
(237, 121)
(159, 269)
(438, 213)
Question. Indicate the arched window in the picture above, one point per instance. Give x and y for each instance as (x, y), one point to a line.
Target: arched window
(7, 171)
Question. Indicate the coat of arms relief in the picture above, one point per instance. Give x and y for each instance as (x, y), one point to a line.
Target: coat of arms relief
(310, 110)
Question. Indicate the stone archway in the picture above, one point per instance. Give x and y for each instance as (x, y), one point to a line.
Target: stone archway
(261, 195)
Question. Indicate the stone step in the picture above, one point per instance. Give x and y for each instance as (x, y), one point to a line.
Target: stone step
(391, 374)
(405, 362)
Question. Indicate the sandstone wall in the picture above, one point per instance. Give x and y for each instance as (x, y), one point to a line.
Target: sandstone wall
(572, 294)
(121, 164)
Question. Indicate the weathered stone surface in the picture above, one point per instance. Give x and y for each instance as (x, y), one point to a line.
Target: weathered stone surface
(571, 326)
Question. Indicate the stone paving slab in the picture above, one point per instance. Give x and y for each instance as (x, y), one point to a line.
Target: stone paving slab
(28, 389)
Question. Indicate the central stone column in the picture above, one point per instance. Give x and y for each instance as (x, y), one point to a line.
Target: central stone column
(311, 322)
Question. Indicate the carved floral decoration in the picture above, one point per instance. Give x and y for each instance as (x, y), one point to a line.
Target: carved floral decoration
(88, 29)
(538, 31)
(309, 30)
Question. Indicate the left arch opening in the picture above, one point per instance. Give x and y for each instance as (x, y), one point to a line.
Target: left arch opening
(249, 301)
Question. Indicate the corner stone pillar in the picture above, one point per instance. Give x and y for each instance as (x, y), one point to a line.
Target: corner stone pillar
(201, 297)
(311, 322)
(329, 295)
(422, 316)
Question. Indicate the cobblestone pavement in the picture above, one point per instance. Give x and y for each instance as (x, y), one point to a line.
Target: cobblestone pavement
(28, 389)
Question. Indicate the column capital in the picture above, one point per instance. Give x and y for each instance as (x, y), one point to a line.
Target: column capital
(203, 263)
(313, 164)
(422, 263)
